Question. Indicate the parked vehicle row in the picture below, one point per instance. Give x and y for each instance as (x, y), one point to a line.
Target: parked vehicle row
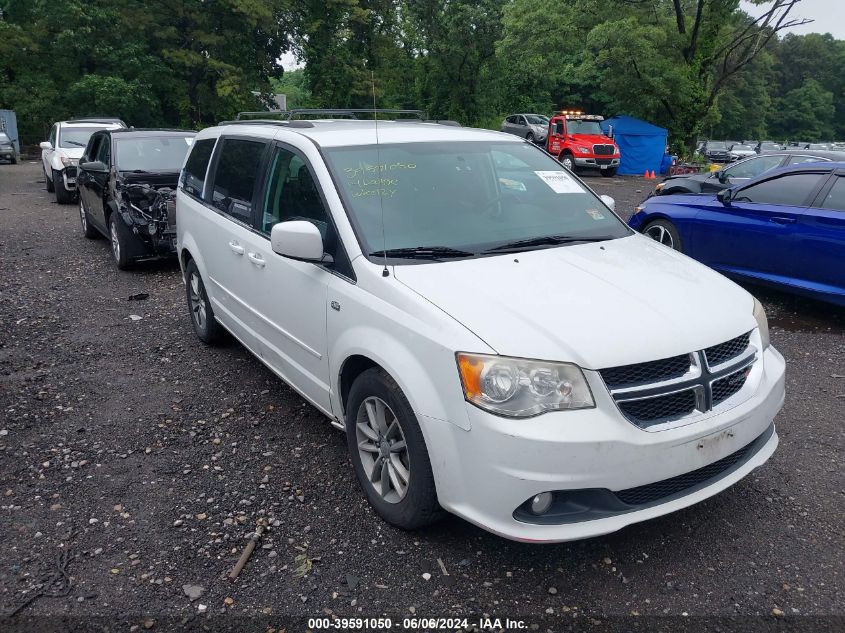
(448, 297)
(7, 149)
(741, 171)
(785, 227)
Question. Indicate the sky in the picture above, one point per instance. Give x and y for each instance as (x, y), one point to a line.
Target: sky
(828, 16)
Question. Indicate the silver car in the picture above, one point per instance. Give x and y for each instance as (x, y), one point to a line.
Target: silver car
(533, 127)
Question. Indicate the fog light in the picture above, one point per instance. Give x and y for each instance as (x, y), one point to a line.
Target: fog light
(541, 503)
(151, 227)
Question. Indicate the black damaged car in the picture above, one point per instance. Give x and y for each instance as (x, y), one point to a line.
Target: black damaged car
(127, 184)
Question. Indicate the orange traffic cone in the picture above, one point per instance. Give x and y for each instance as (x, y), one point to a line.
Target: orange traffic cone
(646, 176)
(653, 177)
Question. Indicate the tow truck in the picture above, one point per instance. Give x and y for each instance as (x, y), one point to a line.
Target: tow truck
(578, 142)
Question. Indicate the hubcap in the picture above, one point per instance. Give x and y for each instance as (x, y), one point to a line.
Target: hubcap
(382, 449)
(567, 162)
(82, 216)
(115, 241)
(659, 233)
(197, 300)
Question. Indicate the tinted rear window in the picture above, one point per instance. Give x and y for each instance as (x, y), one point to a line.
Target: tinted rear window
(236, 176)
(193, 175)
(789, 190)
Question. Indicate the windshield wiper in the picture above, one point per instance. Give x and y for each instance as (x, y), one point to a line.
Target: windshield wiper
(545, 240)
(422, 252)
(75, 143)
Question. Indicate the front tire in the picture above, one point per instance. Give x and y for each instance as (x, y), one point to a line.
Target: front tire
(568, 161)
(87, 230)
(63, 196)
(529, 137)
(665, 232)
(388, 452)
(119, 242)
(48, 182)
(206, 327)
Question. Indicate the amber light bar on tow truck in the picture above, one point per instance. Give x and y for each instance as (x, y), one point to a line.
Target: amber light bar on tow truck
(578, 114)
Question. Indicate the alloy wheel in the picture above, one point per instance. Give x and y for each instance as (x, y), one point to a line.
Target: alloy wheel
(197, 300)
(382, 449)
(82, 217)
(567, 162)
(115, 240)
(659, 233)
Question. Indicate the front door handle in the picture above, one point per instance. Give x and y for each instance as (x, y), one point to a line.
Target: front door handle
(236, 248)
(257, 260)
(782, 220)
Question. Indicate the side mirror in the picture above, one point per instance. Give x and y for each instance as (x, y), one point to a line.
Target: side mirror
(609, 131)
(298, 239)
(45, 145)
(610, 202)
(94, 166)
(722, 175)
(724, 196)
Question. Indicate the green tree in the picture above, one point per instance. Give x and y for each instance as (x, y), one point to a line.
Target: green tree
(805, 113)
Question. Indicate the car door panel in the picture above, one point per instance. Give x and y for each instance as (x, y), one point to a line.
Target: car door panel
(820, 240)
(750, 235)
(288, 297)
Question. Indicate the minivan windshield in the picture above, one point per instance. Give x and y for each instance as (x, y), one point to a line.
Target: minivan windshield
(536, 119)
(152, 154)
(461, 199)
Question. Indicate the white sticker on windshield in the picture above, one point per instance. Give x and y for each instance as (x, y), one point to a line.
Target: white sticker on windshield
(559, 181)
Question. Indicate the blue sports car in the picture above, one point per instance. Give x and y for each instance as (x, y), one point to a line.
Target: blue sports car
(785, 228)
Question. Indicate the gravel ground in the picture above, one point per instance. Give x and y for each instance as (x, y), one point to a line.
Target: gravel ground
(150, 457)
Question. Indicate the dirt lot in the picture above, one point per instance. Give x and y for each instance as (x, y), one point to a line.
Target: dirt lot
(149, 457)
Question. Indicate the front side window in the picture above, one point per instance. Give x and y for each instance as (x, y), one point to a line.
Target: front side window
(835, 199)
(92, 148)
(795, 160)
(53, 131)
(193, 175)
(534, 119)
(470, 196)
(163, 154)
(236, 177)
(292, 194)
(71, 137)
(753, 166)
(791, 190)
(104, 151)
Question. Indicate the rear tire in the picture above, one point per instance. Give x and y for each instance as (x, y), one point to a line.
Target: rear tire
(206, 327)
(395, 453)
(63, 196)
(87, 230)
(665, 232)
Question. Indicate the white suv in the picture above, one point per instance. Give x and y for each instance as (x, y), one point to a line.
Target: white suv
(493, 338)
(61, 152)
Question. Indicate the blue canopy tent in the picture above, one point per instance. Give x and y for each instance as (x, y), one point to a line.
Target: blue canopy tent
(641, 144)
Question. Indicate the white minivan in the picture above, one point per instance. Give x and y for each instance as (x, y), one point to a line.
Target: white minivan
(494, 340)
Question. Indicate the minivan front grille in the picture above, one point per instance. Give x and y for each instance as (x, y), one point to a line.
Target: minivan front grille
(652, 371)
(648, 410)
(724, 352)
(603, 150)
(655, 395)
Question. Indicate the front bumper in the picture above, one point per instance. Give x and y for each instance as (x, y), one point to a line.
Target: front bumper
(484, 475)
(7, 154)
(69, 177)
(597, 162)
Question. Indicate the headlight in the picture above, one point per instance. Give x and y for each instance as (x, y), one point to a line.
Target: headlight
(520, 388)
(68, 162)
(583, 150)
(762, 322)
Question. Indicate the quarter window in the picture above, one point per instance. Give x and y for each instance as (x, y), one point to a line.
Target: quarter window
(236, 176)
(835, 199)
(193, 175)
(791, 190)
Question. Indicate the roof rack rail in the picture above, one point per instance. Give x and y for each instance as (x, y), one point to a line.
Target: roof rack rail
(97, 119)
(353, 112)
(263, 114)
(278, 122)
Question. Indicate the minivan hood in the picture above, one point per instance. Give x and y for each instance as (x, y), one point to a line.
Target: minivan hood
(599, 305)
(71, 152)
